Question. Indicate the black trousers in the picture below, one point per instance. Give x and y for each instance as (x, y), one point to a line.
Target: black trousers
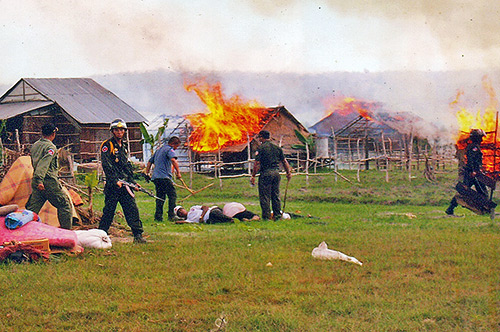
(217, 216)
(269, 193)
(244, 215)
(113, 196)
(470, 181)
(165, 188)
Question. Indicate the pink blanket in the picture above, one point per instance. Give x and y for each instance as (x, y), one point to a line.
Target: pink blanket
(33, 230)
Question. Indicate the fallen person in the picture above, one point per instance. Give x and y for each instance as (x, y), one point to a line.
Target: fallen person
(201, 214)
(239, 211)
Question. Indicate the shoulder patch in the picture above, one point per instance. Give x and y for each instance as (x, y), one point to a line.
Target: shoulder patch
(51, 152)
(104, 148)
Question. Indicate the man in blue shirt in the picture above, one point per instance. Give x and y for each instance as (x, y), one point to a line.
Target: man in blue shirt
(164, 159)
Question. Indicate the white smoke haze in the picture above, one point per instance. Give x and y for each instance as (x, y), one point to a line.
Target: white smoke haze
(426, 95)
(412, 56)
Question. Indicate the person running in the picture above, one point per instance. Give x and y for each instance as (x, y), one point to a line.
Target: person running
(472, 166)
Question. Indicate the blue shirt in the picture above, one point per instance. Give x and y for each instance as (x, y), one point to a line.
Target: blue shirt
(162, 159)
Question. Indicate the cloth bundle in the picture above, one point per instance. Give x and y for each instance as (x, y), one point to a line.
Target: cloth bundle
(322, 252)
(93, 238)
(20, 218)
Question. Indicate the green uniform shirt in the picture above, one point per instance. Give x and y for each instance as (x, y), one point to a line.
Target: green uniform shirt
(269, 155)
(44, 161)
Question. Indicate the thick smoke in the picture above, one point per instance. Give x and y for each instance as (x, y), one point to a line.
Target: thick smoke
(463, 29)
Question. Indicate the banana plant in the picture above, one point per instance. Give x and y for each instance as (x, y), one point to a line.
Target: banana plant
(153, 139)
(306, 141)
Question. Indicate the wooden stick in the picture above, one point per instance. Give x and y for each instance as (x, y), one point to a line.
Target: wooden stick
(181, 186)
(197, 191)
(74, 188)
(343, 177)
(185, 185)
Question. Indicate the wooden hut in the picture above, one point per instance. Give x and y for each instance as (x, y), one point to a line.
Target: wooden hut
(80, 107)
(278, 121)
(372, 136)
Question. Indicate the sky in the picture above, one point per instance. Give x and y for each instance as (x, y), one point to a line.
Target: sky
(69, 38)
(113, 39)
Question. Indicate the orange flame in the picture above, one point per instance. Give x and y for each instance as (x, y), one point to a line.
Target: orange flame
(478, 119)
(349, 105)
(227, 122)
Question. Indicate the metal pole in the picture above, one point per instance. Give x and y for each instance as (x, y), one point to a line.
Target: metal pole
(495, 145)
(190, 157)
(249, 155)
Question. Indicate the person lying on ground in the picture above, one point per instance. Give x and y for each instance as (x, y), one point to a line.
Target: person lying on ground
(239, 211)
(201, 214)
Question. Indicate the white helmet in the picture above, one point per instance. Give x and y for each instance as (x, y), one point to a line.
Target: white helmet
(118, 123)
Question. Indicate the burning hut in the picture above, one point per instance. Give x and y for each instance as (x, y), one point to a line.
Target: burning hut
(81, 109)
(364, 131)
(226, 132)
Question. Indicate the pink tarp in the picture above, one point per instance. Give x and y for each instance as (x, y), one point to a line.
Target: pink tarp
(33, 230)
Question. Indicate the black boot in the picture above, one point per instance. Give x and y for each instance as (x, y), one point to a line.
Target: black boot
(139, 239)
(449, 211)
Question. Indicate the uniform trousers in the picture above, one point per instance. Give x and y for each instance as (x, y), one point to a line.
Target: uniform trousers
(269, 193)
(113, 196)
(54, 194)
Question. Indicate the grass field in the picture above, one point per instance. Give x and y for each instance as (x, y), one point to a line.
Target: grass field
(422, 270)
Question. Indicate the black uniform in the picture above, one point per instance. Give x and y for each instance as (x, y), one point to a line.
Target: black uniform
(116, 167)
(269, 156)
(473, 164)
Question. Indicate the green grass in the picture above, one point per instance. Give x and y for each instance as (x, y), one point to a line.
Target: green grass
(422, 271)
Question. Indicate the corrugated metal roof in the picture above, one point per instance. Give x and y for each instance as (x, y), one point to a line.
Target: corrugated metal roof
(83, 99)
(9, 110)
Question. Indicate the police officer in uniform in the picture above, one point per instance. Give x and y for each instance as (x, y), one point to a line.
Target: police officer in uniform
(116, 166)
(45, 184)
(267, 160)
(472, 166)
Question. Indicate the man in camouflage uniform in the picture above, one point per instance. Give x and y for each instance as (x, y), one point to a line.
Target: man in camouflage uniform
(473, 165)
(116, 166)
(45, 184)
(267, 160)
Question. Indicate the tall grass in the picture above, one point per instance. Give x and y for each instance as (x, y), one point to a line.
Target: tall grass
(421, 270)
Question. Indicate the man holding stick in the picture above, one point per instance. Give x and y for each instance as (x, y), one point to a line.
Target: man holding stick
(267, 160)
(165, 159)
